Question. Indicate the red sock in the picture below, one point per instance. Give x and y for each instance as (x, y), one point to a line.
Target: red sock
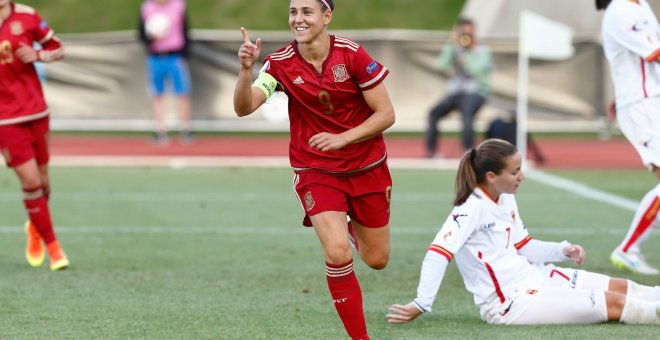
(36, 205)
(345, 290)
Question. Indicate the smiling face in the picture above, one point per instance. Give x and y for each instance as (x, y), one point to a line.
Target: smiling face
(509, 179)
(307, 20)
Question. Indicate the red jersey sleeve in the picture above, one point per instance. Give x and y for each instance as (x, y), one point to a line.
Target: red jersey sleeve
(368, 71)
(51, 46)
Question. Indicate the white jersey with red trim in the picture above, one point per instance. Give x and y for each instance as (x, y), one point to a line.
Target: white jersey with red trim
(484, 236)
(631, 41)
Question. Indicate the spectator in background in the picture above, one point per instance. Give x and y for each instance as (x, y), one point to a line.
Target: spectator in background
(631, 41)
(25, 120)
(468, 65)
(164, 31)
(506, 128)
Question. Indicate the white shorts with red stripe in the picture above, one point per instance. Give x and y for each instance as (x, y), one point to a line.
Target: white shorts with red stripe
(640, 123)
(569, 296)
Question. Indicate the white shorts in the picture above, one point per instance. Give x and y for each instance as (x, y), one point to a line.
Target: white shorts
(567, 296)
(640, 123)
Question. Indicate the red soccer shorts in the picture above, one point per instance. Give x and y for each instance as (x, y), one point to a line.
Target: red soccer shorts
(365, 197)
(23, 141)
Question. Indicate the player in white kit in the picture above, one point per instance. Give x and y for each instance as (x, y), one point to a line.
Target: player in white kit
(631, 41)
(504, 268)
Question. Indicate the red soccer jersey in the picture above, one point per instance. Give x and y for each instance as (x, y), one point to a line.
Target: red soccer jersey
(21, 97)
(330, 101)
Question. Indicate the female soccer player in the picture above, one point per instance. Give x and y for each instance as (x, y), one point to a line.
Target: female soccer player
(503, 267)
(24, 122)
(338, 108)
(631, 42)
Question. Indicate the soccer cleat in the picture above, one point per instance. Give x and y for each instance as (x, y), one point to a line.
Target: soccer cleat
(633, 262)
(35, 252)
(58, 259)
(352, 237)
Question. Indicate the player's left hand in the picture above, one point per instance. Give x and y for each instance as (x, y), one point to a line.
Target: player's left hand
(575, 252)
(325, 141)
(26, 53)
(403, 313)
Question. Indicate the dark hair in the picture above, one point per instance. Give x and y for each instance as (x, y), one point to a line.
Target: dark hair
(490, 156)
(602, 4)
(464, 21)
(330, 3)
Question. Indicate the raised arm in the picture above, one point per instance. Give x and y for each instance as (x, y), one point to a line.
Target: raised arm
(247, 99)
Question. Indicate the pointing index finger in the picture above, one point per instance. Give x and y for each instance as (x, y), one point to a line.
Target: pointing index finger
(246, 37)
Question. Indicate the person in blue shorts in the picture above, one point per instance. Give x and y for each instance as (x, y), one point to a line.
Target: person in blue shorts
(164, 31)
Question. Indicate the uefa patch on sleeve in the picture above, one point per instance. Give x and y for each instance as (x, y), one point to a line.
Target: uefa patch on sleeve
(43, 24)
(373, 67)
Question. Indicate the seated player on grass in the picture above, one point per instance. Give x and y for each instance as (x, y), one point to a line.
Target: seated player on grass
(504, 268)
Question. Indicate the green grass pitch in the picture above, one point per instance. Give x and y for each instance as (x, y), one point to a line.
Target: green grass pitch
(220, 254)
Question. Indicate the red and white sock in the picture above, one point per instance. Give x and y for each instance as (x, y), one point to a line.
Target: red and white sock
(36, 205)
(347, 296)
(646, 219)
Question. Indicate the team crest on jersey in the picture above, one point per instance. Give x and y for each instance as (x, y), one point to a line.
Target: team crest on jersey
(340, 72)
(513, 215)
(309, 201)
(16, 28)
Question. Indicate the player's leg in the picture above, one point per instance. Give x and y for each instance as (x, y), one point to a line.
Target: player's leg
(627, 254)
(640, 125)
(157, 73)
(34, 174)
(332, 231)
(182, 89)
(560, 306)
(443, 108)
(374, 245)
(570, 278)
(325, 205)
(369, 208)
(469, 106)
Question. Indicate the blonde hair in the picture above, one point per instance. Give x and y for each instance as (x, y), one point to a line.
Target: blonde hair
(489, 156)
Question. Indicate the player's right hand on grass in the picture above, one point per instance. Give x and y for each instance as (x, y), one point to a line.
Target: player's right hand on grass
(403, 313)
(249, 52)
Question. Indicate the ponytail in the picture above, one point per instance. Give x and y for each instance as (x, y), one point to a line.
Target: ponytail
(490, 156)
(466, 178)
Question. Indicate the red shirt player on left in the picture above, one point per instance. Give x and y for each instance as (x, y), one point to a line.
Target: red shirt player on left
(24, 122)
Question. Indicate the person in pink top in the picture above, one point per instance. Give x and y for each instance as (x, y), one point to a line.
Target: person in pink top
(164, 31)
(25, 122)
(338, 109)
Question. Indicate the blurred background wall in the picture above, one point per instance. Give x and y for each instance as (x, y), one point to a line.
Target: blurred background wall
(101, 85)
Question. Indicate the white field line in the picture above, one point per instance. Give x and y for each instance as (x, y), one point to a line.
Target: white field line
(200, 196)
(180, 162)
(279, 230)
(582, 190)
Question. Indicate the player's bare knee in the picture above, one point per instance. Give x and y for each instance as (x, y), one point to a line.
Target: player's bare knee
(338, 254)
(618, 286)
(615, 303)
(377, 262)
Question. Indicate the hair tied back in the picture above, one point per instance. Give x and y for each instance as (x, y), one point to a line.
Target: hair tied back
(473, 154)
